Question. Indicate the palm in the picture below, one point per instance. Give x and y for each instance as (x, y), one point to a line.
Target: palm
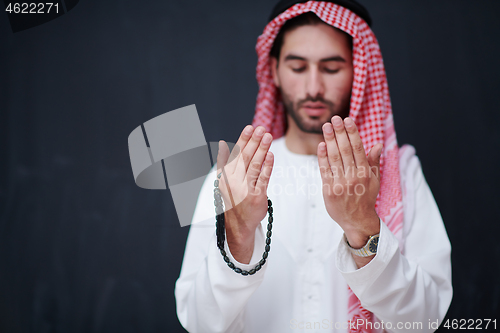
(245, 174)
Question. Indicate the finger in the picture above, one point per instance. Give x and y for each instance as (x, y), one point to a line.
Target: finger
(265, 174)
(222, 156)
(374, 159)
(255, 166)
(343, 144)
(324, 166)
(356, 144)
(245, 136)
(249, 150)
(332, 151)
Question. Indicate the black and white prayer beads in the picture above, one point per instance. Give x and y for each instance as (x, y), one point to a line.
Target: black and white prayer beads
(220, 232)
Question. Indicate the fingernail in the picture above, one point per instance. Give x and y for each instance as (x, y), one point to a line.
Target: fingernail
(267, 138)
(328, 128)
(348, 122)
(259, 131)
(337, 121)
(248, 130)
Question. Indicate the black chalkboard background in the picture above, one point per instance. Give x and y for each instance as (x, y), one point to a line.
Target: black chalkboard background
(83, 249)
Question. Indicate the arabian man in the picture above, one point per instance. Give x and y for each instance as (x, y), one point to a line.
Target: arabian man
(358, 243)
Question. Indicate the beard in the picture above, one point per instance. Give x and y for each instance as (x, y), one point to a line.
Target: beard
(310, 124)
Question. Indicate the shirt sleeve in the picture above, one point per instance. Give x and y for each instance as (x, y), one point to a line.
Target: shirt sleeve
(410, 289)
(210, 297)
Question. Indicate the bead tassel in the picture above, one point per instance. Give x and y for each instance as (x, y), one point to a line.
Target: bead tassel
(220, 232)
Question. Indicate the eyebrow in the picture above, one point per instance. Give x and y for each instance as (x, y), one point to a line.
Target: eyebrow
(296, 57)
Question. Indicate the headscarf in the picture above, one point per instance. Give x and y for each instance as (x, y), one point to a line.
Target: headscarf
(370, 109)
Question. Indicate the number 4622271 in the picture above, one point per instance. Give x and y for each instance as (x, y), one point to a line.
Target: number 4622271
(471, 324)
(32, 8)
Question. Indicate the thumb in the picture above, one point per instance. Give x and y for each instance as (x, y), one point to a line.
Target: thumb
(222, 155)
(374, 159)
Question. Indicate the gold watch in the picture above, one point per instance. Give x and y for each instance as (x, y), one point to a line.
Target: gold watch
(369, 249)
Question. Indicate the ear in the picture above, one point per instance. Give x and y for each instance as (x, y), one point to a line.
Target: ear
(274, 71)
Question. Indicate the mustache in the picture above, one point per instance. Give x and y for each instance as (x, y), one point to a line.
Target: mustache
(328, 103)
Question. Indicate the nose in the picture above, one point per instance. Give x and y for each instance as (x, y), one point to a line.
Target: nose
(314, 84)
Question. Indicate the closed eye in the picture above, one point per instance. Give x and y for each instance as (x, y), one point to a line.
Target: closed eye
(299, 70)
(331, 71)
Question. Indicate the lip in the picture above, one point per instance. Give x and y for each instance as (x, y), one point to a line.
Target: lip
(314, 109)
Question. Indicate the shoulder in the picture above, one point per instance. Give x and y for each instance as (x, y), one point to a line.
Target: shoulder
(410, 169)
(415, 191)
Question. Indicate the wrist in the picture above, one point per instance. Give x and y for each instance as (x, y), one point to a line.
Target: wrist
(237, 229)
(358, 236)
(240, 239)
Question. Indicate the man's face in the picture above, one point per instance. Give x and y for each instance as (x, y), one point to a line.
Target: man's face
(314, 75)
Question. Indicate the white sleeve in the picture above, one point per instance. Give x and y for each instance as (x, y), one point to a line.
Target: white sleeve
(210, 297)
(410, 288)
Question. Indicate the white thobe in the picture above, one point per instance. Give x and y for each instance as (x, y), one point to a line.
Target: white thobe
(303, 285)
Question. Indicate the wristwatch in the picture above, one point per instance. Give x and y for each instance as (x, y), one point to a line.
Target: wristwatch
(369, 249)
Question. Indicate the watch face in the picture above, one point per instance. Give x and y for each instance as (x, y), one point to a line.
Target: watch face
(373, 245)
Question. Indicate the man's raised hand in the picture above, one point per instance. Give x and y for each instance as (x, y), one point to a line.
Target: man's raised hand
(243, 185)
(351, 180)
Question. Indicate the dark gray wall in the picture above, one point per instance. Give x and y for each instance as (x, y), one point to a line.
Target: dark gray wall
(82, 249)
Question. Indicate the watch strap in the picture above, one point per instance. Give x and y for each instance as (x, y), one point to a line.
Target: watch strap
(369, 249)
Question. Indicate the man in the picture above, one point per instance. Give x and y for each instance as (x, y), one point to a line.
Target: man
(323, 86)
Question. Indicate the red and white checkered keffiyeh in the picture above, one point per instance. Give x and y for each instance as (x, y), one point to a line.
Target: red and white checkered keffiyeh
(370, 109)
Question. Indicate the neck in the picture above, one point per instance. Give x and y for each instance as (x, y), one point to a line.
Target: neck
(300, 142)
